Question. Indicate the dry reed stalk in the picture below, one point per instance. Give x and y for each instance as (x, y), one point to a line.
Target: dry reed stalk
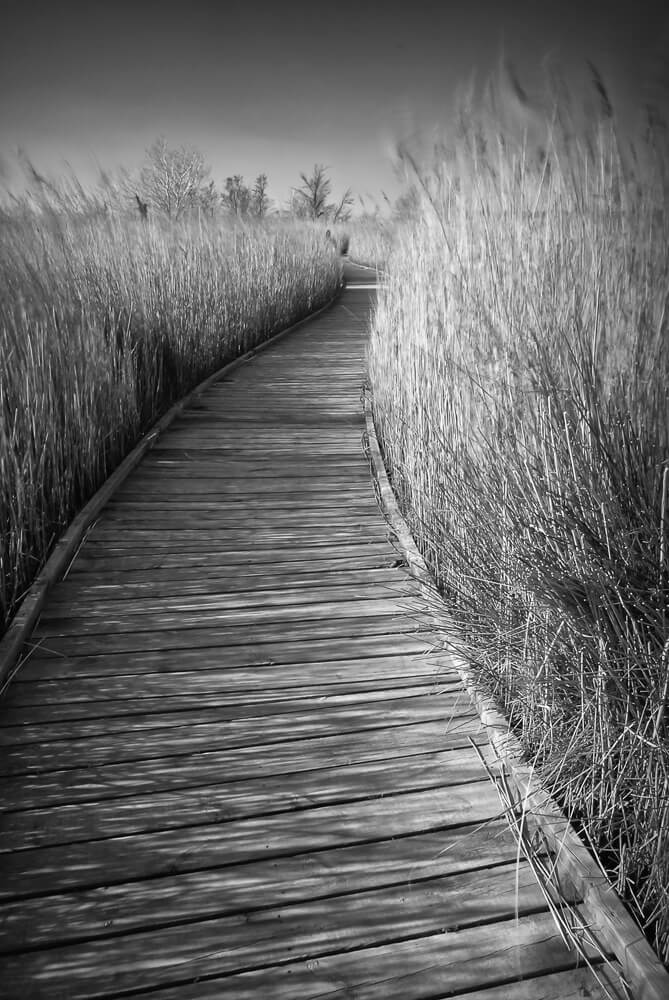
(519, 363)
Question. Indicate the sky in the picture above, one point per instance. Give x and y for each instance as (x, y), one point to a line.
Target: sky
(276, 87)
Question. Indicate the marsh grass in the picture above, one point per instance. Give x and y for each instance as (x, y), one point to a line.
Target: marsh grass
(519, 361)
(371, 239)
(105, 321)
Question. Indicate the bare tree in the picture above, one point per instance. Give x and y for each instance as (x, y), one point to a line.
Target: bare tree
(341, 212)
(237, 196)
(313, 196)
(311, 200)
(173, 178)
(259, 199)
(207, 200)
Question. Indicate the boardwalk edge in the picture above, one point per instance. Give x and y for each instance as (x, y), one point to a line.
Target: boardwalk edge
(66, 548)
(610, 921)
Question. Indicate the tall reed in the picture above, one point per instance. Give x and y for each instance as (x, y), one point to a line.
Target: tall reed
(104, 322)
(370, 239)
(519, 361)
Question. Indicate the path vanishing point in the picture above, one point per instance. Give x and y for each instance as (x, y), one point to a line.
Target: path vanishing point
(233, 765)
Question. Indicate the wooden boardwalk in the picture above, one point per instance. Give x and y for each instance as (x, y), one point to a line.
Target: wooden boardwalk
(230, 767)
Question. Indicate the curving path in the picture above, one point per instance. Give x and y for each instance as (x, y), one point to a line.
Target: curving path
(231, 766)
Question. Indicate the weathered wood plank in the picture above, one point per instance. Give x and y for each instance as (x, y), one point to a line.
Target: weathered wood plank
(310, 534)
(115, 542)
(295, 441)
(133, 692)
(178, 769)
(216, 709)
(231, 635)
(574, 984)
(194, 737)
(62, 706)
(121, 621)
(306, 930)
(355, 474)
(204, 658)
(268, 544)
(118, 574)
(279, 449)
(336, 556)
(170, 585)
(94, 607)
(43, 870)
(173, 899)
(224, 800)
(136, 679)
(161, 519)
(210, 458)
(435, 966)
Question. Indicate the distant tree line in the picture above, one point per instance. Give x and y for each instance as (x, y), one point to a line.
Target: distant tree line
(175, 182)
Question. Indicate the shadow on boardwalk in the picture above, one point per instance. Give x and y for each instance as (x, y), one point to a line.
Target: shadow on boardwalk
(230, 766)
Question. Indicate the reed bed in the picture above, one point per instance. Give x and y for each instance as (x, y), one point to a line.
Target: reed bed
(519, 362)
(370, 240)
(105, 321)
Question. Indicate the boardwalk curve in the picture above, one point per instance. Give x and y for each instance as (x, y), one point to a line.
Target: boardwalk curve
(231, 765)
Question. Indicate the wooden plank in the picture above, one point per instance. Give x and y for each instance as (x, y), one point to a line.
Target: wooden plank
(59, 709)
(574, 984)
(224, 487)
(96, 590)
(227, 636)
(236, 538)
(317, 506)
(139, 518)
(119, 621)
(93, 607)
(224, 800)
(172, 899)
(247, 449)
(110, 538)
(338, 500)
(178, 769)
(43, 870)
(278, 542)
(42, 665)
(225, 530)
(288, 554)
(311, 438)
(60, 705)
(225, 945)
(354, 473)
(455, 965)
(216, 709)
(194, 737)
(243, 572)
(205, 477)
(131, 692)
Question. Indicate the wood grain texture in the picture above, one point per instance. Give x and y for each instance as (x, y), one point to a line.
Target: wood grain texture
(236, 761)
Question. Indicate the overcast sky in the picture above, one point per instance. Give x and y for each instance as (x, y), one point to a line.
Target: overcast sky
(278, 86)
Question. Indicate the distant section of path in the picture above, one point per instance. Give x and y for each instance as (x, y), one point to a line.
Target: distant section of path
(231, 766)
